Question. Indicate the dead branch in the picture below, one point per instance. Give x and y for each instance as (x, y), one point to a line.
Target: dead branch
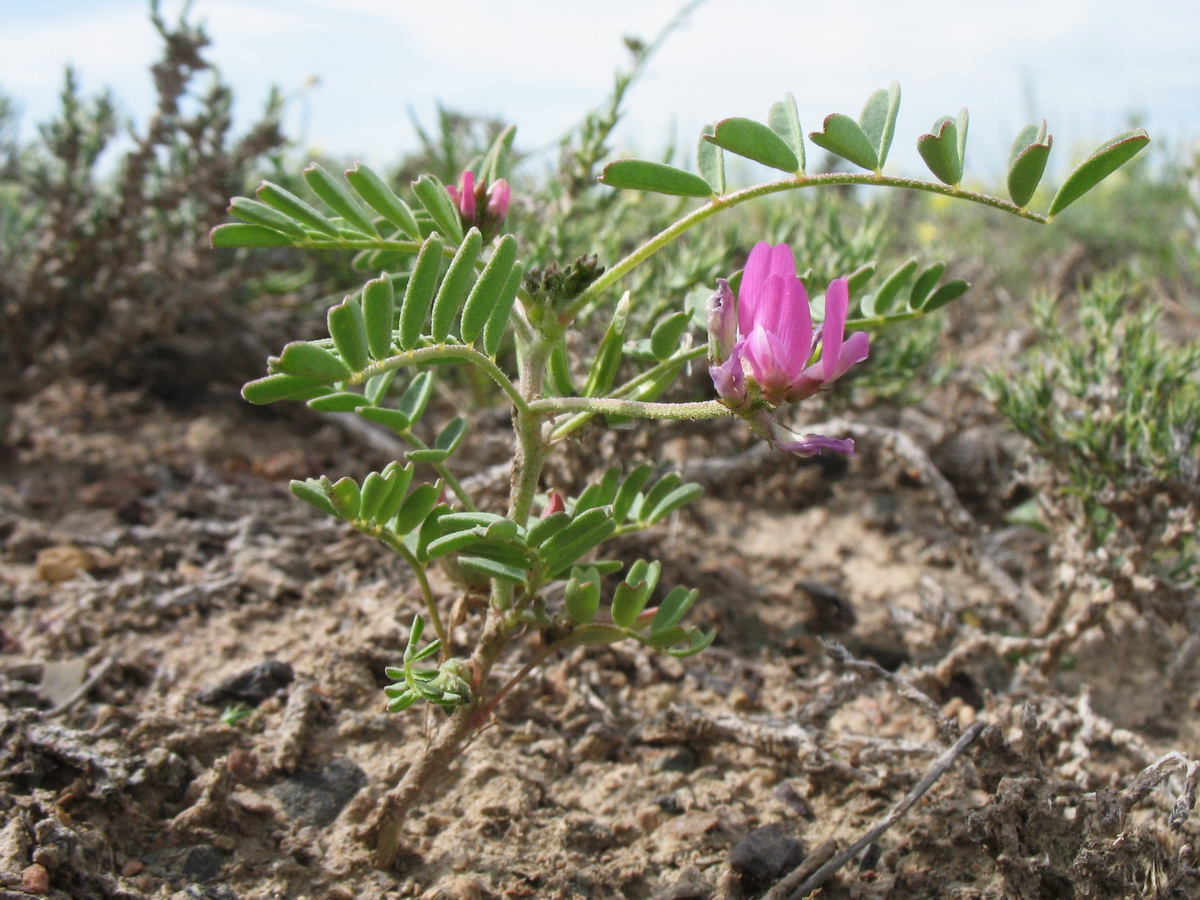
(939, 768)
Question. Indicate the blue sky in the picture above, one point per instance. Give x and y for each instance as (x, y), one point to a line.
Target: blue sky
(354, 68)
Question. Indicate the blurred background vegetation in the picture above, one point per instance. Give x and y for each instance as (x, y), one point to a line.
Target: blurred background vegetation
(106, 273)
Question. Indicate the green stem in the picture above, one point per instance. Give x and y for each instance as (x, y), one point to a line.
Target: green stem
(397, 544)
(578, 420)
(703, 409)
(437, 354)
(442, 470)
(663, 238)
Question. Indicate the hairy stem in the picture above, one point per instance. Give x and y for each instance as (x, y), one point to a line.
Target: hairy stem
(436, 756)
(441, 353)
(704, 409)
(418, 570)
(716, 205)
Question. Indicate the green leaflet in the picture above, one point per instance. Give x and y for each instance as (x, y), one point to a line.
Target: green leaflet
(338, 401)
(878, 121)
(488, 290)
(784, 120)
(293, 207)
(437, 203)
(497, 323)
(755, 141)
(283, 387)
(944, 294)
(890, 289)
(337, 197)
(418, 297)
(1027, 162)
(608, 356)
(942, 148)
(643, 175)
(258, 213)
(844, 137)
(665, 338)
(349, 332)
(381, 198)
(924, 284)
(453, 292)
(710, 159)
(379, 314)
(1102, 162)
(581, 596)
(309, 360)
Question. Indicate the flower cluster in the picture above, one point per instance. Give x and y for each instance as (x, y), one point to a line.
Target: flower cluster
(481, 204)
(762, 345)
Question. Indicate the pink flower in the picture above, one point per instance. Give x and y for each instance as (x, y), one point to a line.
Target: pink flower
(481, 205)
(776, 338)
(762, 345)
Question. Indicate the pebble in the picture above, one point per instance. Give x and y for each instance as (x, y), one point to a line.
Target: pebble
(765, 855)
(62, 563)
(458, 888)
(203, 863)
(317, 796)
(688, 889)
(682, 759)
(252, 686)
(35, 879)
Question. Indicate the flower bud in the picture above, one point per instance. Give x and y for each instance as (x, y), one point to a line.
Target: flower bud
(480, 204)
(722, 323)
(554, 504)
(729, 379)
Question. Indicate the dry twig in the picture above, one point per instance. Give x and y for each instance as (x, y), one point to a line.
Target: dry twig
(939, 768)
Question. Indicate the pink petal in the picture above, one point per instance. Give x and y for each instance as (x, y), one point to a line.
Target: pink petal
(467, 204)
(729, 380)
(754, 278)
(763, 351)
(498, 199)
(854, 351)
(793, 325)
(813, 444)
(837, 305)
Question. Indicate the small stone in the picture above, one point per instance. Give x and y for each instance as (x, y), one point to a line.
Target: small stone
(62, 563)
(688, 889)
(132, 867)
(252, 686)
(787, 794)
(317, 796)
(242, 764)
(682, 759)
(203, 863)
(765, 855)
(35, 879)
(458, 888)
(205, 892)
